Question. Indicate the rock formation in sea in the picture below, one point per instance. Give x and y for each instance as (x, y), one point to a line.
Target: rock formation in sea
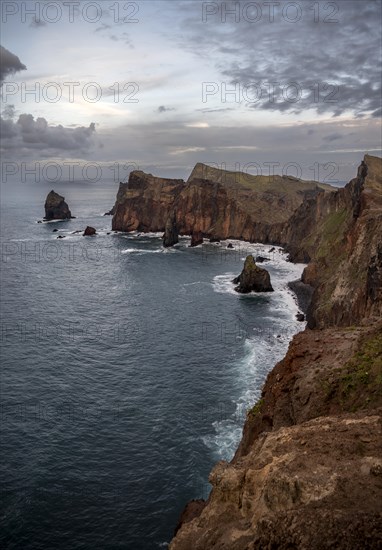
(56, 208)
(216, 203)
(170, 236)
(89, 231)
(196, 238)
(308, 469)
(253, 278)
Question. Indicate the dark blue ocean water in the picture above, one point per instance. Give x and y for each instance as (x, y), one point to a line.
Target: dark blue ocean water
(126, 371)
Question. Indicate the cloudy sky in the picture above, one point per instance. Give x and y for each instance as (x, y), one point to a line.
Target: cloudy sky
(162, 84)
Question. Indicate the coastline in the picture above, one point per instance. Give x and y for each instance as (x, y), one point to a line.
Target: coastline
(307, 469)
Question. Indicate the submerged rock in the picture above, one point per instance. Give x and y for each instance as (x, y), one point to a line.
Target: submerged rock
(56, 208)
(261, 259)
(170, 236)
(253, 278)
(89, 231)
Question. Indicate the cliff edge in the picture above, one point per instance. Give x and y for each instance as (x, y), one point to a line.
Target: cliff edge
(308, 470)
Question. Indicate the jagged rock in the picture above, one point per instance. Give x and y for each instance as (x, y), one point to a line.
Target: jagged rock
(54, 230)
(300, 316)
(61, 237)
(196, 238)
(56, 208)
(110, 212)
(170, 236)
(193, 509)
(89, 231)
(272, 249)
(230, 245)
(261, 259)
(253, 278)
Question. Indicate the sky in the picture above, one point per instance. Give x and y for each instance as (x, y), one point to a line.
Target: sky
(96, 89)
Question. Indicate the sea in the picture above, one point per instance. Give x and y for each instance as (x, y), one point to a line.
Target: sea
(127, 370)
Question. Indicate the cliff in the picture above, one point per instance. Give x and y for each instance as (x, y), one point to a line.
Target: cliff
(212, 203)
(340, 234)
(308, 470)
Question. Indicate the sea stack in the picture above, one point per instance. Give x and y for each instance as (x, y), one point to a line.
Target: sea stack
(89, 231)
(56, 208)
(196, 238)
(170, 236)
(253, 278)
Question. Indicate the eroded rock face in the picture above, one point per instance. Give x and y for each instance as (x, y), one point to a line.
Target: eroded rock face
(216, 203)
(56, 208)
(340, 234)
(291, 497)
(171, 235)
(253, 278)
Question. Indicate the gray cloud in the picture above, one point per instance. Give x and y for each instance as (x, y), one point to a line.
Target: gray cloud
(9, 64)
(163, 109)
(30, 134)
(336, 65)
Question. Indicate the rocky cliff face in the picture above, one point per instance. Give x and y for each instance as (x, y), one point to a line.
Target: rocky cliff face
(341, 234)
(308, 470)
(56, 207)
(212, 203)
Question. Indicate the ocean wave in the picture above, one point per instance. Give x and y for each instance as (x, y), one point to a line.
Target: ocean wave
(140, 251)
(262, 349)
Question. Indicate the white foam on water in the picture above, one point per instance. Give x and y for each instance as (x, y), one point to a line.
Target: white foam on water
(262, 350)
(140, 251)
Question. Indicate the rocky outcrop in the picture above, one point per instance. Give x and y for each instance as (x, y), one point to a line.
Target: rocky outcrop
(213, 202)
(171, 235)
(308, 470)
(56, 208)
(145, 202)
(110, 212)
(253, 278)
(196, 238)
(89, 231)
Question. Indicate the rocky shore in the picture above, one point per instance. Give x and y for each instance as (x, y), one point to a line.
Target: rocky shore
(308, 471)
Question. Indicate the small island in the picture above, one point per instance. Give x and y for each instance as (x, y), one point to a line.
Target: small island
(56, 208)
(253, 278)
